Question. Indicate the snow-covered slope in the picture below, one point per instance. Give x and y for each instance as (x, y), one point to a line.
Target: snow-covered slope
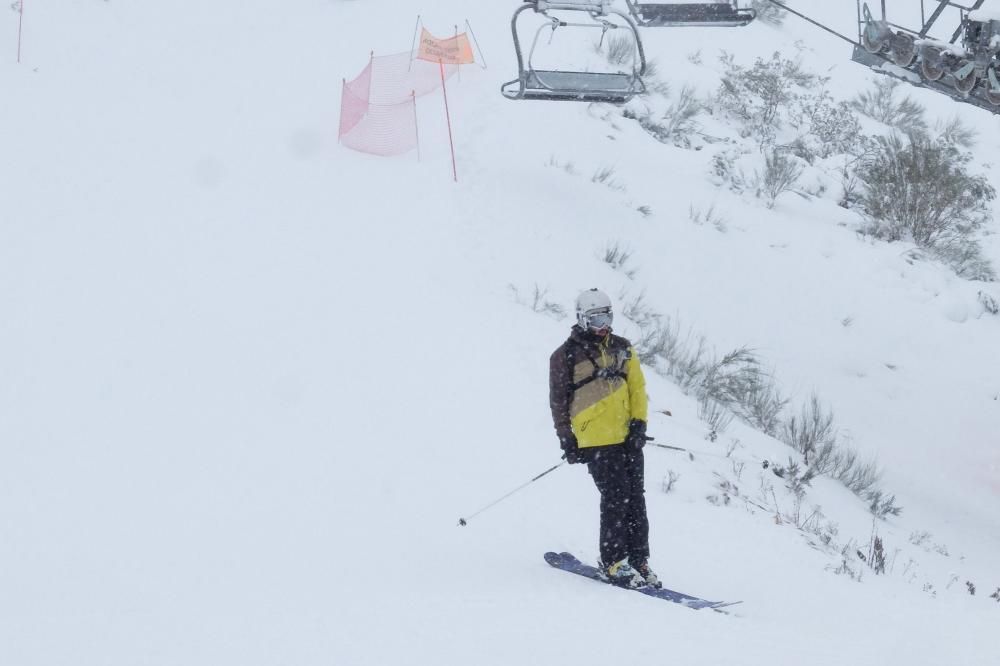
(249, 380)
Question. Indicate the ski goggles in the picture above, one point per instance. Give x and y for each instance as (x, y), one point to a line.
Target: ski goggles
(598, 319)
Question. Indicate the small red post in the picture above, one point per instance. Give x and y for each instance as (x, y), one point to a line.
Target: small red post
(447, 114)
(20, 22)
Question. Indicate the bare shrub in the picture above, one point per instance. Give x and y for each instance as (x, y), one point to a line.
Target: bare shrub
(769, 12)
(956, 132)
(883, 104)
(568, 167)
(708, 216)
(876, 556)
(780, 173)
(763, 407)
(811, 431)
(617, 49)
(674, 125)
(851, 185)
(882, 505)
(921, 188)
(860, 476)
(638, 311)
(679, 116)
(726, 171)
(989, 303)
(618, 258)
(538, 302)
(606, 176)
(654, 84)
(670, 481)
(756, 95)
(715, 415)
(826, 127)
(737, 384)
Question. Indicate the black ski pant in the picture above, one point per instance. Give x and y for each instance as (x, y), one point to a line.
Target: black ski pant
(618, 473)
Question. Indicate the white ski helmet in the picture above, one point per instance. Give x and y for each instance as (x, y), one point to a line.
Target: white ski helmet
(593, 310)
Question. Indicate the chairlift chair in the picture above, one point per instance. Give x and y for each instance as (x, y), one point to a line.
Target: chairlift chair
(726, 14)
(573, 86)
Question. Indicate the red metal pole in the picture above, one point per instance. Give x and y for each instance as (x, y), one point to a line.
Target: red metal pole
(447, 113)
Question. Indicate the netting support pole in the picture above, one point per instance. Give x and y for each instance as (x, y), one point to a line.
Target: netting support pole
(416, 122)
(20, 22)
(478, 48)
(447, 115)
(413, 44)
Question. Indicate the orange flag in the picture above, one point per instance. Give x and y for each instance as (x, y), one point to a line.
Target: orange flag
(452, 51)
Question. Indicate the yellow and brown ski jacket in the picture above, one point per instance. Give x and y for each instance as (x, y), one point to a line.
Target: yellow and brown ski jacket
(596, 387)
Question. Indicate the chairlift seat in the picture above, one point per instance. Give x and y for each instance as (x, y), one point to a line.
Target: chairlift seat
(610, 87)
(708, 14)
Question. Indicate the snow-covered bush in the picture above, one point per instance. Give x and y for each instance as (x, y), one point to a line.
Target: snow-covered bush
(811, 432)
(989, 303)
(676, 122)
(781, 172)
(779, 103)
(763, 405)
(716, 416)
(758, 95)
(920, 188)
(882, 505)
(825, 127)
(883, 104)
(738, 383)
(726, 172)
(956, 132)
(617, 49)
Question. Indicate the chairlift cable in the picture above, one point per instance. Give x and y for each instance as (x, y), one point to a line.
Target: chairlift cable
(813, 21)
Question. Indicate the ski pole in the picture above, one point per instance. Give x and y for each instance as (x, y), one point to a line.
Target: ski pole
(465, 521)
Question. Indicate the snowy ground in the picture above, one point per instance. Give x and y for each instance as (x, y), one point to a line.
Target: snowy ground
(250, 380)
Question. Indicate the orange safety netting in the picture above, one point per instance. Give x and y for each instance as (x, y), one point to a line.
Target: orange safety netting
(378, 107)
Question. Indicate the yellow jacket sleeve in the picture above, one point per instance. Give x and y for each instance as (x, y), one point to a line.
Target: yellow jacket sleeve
(638, 402)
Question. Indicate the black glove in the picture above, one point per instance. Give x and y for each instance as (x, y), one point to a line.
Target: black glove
(571, 450)
(636, 435)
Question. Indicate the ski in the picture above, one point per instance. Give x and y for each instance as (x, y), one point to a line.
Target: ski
(568, 562)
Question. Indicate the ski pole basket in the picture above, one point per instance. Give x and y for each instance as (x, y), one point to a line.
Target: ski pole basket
(553, 84)
(705, 14)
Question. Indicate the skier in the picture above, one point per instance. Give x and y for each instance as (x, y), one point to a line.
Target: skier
(598, 398)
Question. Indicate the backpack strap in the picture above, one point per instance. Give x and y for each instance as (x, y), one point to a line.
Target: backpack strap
(598, 373)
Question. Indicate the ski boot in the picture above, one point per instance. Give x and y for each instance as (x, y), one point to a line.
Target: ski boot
(623, 574)
(649, 575)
